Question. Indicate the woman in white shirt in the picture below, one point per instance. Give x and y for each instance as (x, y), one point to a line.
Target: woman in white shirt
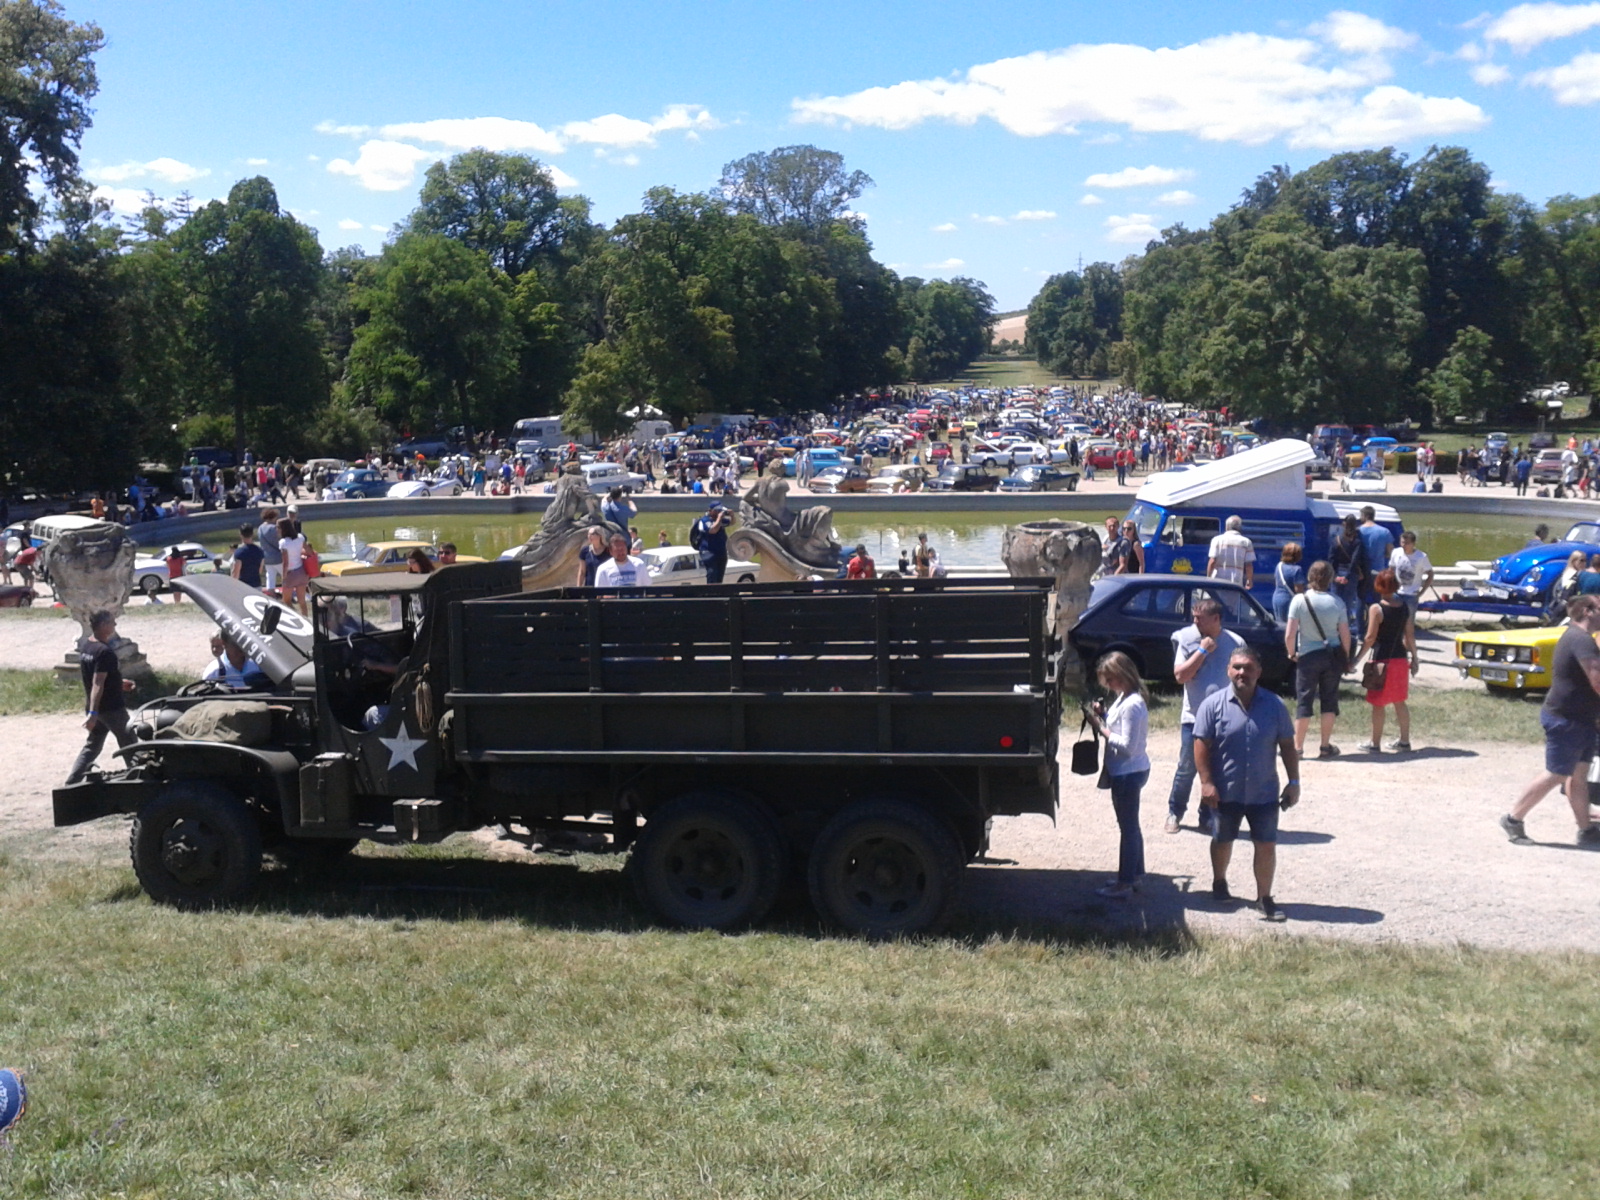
(1126, 727)
(292, 546)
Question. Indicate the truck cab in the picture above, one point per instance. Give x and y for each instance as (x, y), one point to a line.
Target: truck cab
(1178, 513)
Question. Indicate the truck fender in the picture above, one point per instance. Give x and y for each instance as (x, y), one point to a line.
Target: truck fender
(206, 760)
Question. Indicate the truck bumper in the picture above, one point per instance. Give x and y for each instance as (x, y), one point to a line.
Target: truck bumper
(96, 797)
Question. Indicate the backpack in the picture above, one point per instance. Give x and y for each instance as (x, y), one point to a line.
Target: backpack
(697, 533)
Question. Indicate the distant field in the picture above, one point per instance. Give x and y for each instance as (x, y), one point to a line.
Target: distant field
(1013, 372)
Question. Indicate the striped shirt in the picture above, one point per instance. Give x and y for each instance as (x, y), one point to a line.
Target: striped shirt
(1232, 551)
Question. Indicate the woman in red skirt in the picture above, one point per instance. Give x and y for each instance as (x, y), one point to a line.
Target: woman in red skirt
(1391, 641)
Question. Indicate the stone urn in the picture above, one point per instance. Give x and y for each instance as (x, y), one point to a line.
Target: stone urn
(92, 569)
(1067, 550)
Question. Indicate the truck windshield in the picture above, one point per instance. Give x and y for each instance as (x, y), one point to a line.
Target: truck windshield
(1147, 517)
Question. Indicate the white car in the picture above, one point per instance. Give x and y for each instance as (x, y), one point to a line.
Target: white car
(894, 479)
(1365, 481)
(445, 485)
(1026, 453)
(150, 570)
(679, 565)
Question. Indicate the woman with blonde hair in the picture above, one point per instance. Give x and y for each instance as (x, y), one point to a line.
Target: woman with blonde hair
(1126, 727)
(1392, 640)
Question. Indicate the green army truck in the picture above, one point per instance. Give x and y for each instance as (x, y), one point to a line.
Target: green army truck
(861, 734)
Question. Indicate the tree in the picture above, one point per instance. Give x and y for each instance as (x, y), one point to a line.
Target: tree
(250, 275)
(47, 78)
(1074, 319)
(1466, 382)
(797, 186)
(438, 338)
(951, 319)
(506, 206)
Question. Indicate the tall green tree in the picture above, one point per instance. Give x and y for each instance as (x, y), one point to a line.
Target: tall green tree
(438, 340)
(251, 275)
(799, 187)
(1467, 380)
(1075, 319)
(951, 319)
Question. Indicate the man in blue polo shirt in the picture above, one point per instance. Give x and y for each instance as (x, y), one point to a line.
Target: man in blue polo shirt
(1239, 732)
(1200, 655)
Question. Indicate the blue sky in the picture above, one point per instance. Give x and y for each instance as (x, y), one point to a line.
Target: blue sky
(1005, 140)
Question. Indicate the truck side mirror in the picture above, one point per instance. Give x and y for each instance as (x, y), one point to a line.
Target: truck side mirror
(270, 619)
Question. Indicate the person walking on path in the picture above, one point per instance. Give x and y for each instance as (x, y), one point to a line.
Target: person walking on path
(1126, 728)
(1348, 557)
(1200, 665)
(1571, 709)
(1238, 733)
(1413, 569)
(1391, 639)
(272, 557)
(292, 545)
(1232, 556)
(1320, 657)
(105, 706)
(1288, 580)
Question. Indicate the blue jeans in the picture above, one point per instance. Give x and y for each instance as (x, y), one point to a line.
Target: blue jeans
(1350, 593)
(1183, 778)
(1125, 791)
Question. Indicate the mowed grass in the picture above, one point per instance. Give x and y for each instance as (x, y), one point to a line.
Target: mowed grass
(378, 1043)
(44, 692)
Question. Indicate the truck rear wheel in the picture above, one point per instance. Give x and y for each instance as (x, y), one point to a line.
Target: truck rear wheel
(709, 862)
(886, 867)
(195, 846)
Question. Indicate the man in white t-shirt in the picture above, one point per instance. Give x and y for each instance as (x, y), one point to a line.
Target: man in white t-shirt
(1412, 568)
(621, 569)
(1232, 556)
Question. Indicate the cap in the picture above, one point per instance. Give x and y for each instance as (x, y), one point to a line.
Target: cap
(714, 505)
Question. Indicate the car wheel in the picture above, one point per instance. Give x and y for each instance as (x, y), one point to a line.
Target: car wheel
(150, 584)
(456, 491)
(747, 578)
(709, 861)
(1072, 485)
(195, 846)
(884, 868)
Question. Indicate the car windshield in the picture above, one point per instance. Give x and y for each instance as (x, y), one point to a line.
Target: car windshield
(1585, 532)
(1147, 517)
(1366, 475)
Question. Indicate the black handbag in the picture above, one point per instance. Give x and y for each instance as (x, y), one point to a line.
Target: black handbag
(1340, 658)
(1086, 752)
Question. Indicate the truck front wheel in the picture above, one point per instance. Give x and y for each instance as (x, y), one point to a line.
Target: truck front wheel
(886, 867)
(709, 861)
(195, 846)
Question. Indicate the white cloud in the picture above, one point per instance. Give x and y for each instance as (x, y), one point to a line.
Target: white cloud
(855, 214)
(379, 228)
(313, 158)
(1357, 33)
(1180, 196)
(354, 131)
(1489, 74)
(1103, 139)
(1528, 25)
(123, 200)
(949, 264)
(947, 227)
(383, 166)
(560, 178)
(1091, 198)
(1034, 214)
(1138, 177)
(1578, 82)
(169, 170)
(624, 133)
(499, 134)
(347, 224)
(1135, 228)
(1243, 87)
(981, 220)
(257, 162)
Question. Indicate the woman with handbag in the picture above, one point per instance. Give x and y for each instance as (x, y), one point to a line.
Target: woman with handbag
(1392, 640)
(1317, 637)
(1125, 726)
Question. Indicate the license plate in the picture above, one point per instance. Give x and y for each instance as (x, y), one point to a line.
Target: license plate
(1495, 675)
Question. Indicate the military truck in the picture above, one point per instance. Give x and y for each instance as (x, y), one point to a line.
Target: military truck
(857, 734)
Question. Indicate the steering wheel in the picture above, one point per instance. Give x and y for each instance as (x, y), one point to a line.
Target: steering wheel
(205, 687)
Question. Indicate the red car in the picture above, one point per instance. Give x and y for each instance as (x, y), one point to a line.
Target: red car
(939, 451)
(1102, 456)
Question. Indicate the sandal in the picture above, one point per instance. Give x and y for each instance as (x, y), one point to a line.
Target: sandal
(1329, 751)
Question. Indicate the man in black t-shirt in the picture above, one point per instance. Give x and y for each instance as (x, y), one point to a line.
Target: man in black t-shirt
(248, 557)
(105, 710)
(1569, 716)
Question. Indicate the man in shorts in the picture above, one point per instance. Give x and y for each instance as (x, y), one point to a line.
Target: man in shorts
(1570, 711)
(1239, 733)
(1200, 654)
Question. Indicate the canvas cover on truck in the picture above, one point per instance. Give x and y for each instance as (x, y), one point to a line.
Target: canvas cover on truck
(1272, 476)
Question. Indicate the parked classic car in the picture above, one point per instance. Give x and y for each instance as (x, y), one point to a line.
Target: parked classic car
(896, 479)
(150, 570)
(1513, 660)
(838, 480)
(962, 477)
(359, 483)
(375, 557)
(1040, 479)
(681, 566)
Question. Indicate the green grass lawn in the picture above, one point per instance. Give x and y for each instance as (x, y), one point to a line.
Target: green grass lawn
(44, 692)
(539, 1040)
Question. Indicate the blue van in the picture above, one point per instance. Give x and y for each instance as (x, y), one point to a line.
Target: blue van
(1177, 513)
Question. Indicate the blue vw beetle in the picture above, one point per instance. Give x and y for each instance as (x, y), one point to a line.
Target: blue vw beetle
(1527, 575)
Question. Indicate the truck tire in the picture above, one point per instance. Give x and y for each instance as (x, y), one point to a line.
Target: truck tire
(884, 868)
(195, 846)
(709, 861)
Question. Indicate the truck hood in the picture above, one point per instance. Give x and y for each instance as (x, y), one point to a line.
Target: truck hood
(238, 608)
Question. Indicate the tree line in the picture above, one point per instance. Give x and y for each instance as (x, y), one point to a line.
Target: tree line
(497, 298)
(1368, 287)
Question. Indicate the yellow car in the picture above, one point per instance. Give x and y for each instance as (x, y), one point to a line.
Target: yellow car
(1515, 659)
(371, 558)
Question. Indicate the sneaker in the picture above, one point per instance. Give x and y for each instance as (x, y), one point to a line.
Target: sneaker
(1368, 747)
(1114, 890)
(1514, 828)
(1269, 910)
(1172, 824)
(1329, 751)
(1220, 892)
(1400, 747)
(1590, 837)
